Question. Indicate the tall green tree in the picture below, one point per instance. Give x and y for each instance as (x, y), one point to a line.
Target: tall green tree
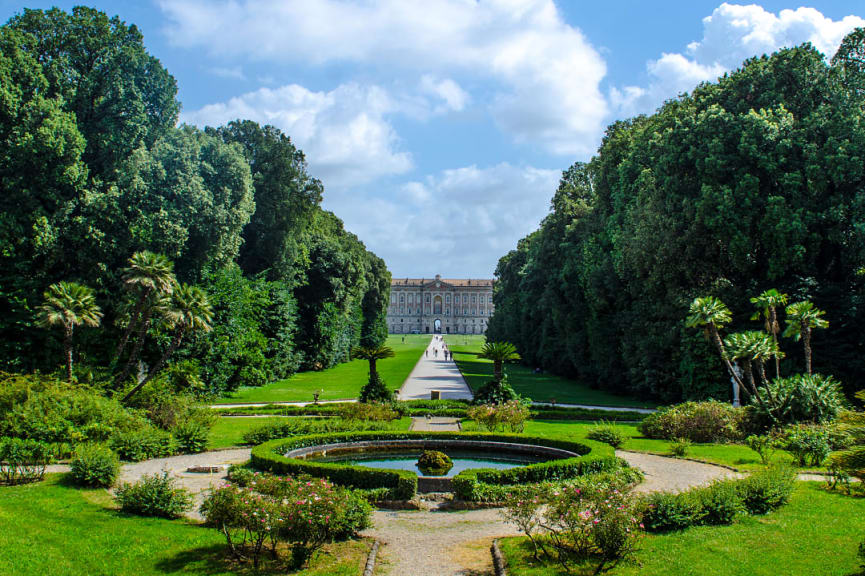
(190, 311)
(768, 303)
(802, 318)
(68, 305)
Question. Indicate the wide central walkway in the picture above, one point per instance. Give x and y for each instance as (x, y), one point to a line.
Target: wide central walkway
(433, 372)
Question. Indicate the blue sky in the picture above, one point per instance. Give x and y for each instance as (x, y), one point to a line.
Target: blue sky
(440, 128)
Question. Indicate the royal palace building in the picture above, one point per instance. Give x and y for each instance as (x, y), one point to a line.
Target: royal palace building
(439, 306)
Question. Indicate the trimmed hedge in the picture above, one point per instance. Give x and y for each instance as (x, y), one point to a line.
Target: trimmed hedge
(402, 484)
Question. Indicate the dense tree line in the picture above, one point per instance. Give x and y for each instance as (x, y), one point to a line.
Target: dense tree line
(93, 169)
(753, 182)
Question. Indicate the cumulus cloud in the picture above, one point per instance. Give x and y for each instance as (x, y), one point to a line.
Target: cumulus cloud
(731, 34)
(462, 220)
(545, 74)
(230, 72)
(449, 92)
(344, 132)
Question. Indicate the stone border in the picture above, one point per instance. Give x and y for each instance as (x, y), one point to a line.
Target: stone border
(499, 564)
(431, 443)
(370, 560)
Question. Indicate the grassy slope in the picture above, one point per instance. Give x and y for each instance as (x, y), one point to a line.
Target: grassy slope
(49, 529)
(538, 387)
(735, 455)
(343, 381)
(228, 432)
(816, 534)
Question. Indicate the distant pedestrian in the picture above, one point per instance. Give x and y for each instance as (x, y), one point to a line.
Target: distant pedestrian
(426, 353)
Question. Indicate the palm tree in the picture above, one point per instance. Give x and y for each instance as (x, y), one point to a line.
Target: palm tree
(756, 347)
(499, 353)
(710, 314)
(372, 354)
(802, 317)
(767, 304)
(68, 304)
(189, 311)
(148, 274)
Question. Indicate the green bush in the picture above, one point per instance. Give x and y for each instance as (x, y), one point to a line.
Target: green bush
(494, 392)
(764, 445)
(154, 495)
(800, 398)
(366, 412)
(191, 437)
(664, 511)
(720, 503)
(809, 444)
(767, 490)
(679, 448)
(708, 421)
(23, 461)
(608, 433)
(142, 444)
(94, 465)
(434, 463)
(375, 390)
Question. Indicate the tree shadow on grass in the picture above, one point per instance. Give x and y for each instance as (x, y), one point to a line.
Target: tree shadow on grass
(202, 560)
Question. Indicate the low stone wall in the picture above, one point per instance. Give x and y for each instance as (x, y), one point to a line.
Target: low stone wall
(539, 452)
(427, 484)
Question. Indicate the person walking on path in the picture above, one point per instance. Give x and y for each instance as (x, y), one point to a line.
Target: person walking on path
(426, 353)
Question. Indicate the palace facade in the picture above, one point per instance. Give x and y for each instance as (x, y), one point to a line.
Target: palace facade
(439, 306)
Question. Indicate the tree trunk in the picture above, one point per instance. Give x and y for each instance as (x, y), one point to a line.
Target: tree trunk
(716, 338)
(497, 370)
(372, 370)
(749, 373)
(175, 342)
(67, 349)
(133, 320)
(139, 344)
(773, 328)
(806, 341)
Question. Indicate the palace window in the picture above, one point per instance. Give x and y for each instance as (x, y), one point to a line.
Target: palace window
(401, 298)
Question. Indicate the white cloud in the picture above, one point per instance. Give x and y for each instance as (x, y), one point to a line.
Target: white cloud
(344, 133)
(462, 220)
(731, 34)
(545, 74)
(453, 97)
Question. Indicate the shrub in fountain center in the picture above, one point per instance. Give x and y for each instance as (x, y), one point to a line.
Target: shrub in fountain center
(434, 463)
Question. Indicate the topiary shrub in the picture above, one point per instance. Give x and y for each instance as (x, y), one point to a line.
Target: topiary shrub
(375, 390)
(434, 463)
(708, 421)
(494, 392)
(94, 465)
(154, 495)
(365, 412)
(606, 432)
(23, 461)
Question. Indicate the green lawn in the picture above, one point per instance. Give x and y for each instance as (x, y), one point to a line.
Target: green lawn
(50, 529)
(539, 387)
(816, 534)
(228, 431)
(342, 382)
(736, 455)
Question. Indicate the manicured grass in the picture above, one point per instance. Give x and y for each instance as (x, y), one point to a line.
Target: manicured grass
(816, 534)
(342, 382)
(50, 529)
(735, 455)
(229, 431)
(539, 387)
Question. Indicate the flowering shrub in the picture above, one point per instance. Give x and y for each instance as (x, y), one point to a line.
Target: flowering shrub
(302, 513)
(571, 524)
(511, 415)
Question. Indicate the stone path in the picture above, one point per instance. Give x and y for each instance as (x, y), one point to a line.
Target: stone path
(433, 372)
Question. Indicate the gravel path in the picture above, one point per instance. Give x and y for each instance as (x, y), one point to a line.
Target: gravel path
(436, 424)
(665, 474)
(433, 372)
